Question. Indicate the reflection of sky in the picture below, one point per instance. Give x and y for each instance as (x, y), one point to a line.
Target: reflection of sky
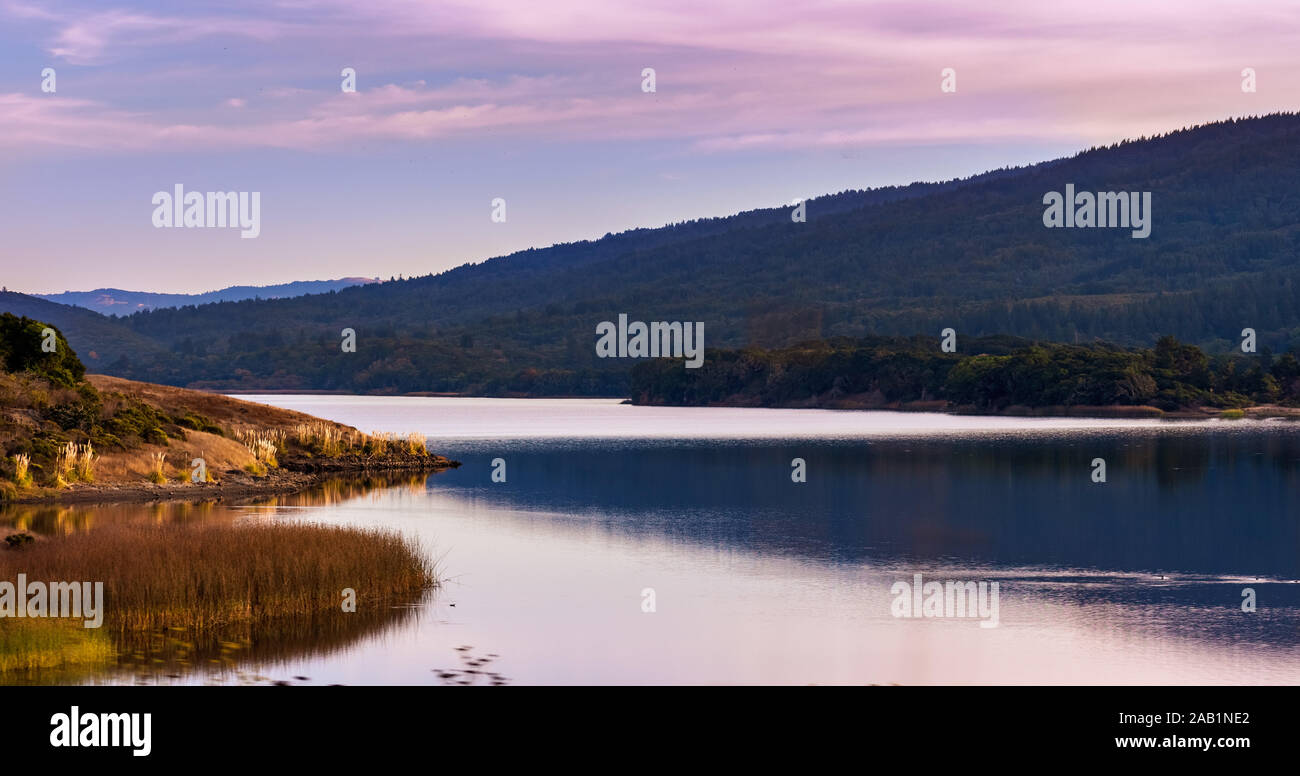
(461, 101)
(1212, 497)
(559, 599)
(457, 419)
(558, 596)
(759, 580)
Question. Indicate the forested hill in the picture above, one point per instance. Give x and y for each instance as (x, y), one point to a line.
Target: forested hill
(990, 375)
(97, 339)
(973, 255)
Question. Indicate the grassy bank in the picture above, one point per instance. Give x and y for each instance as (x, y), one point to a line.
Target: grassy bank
(66, 435)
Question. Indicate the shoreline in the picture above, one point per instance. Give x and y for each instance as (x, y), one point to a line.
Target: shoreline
(145, 443)
(292, 477)
(1107, 411)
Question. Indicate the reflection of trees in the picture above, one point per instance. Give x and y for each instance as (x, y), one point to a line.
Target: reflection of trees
(334, 491)
(55, 520)
(1196, 501)
(229, 650)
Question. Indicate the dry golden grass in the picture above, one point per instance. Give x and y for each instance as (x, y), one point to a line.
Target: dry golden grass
(329, 441)
(377, 443)
(74, 462)
(204, 578)
(222, 410)
(85, 463)
(22, 475)
(264, 445)
(248, 437)
(63, 464)
(415, 443)
(157, 467)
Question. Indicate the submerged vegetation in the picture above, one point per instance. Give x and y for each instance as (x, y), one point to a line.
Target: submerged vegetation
(990, 374)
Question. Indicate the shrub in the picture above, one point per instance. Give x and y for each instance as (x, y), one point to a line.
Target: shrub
(18, 541)
(20, 351)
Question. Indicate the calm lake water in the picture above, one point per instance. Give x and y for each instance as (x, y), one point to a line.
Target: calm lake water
(758, 579)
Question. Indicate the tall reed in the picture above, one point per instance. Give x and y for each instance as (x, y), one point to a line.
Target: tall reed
(64, 463)
(157, 461)
(85, 463)
(22, 470)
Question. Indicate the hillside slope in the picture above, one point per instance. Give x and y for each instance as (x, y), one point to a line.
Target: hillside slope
(973, 255)
(98, 340)
(65, 435)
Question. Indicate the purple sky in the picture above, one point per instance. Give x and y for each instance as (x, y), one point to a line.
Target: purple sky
(540, 103)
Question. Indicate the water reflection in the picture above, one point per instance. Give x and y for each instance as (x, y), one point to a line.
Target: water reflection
(55, 520)
(1172, 503)
(246, 653)
(759, 579)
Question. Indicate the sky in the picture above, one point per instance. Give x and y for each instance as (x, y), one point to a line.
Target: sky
(544, 105)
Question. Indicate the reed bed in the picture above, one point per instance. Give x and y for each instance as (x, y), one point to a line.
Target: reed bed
(325, 439)
(331, 442)
(415, 444)
(264, 444)
(204, 578)
(377, 443)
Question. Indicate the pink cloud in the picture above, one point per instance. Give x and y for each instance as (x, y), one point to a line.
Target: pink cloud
(746, 76)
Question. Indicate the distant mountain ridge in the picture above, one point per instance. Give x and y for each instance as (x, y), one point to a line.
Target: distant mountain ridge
(96, 339)
(972, 254)
(116, 301)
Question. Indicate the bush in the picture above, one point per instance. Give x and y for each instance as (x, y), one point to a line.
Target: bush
(18, 541)
(21, 341)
